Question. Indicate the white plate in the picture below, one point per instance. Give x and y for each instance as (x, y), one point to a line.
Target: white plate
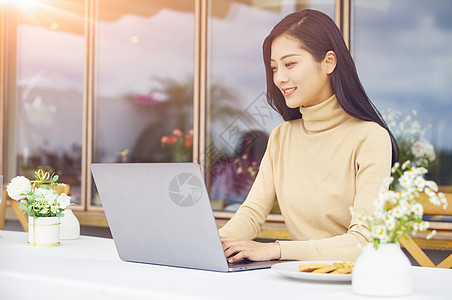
(290, 269)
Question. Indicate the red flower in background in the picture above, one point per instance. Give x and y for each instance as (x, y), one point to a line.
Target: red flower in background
(178, 132)
(180, 144)
(188, 141)
(164, 139)
(172, 140)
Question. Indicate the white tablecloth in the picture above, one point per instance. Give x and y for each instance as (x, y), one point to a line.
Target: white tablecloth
(89, 268)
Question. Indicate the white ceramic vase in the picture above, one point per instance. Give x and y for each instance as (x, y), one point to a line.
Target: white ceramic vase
(44, 231)
(70, 226)
(383, 272)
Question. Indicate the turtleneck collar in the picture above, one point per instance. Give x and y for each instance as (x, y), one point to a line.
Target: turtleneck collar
(323, 116)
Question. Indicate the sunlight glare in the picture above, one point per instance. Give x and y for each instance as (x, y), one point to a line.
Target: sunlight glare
(21, 3)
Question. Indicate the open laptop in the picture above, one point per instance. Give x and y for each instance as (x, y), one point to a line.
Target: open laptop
(160, 213)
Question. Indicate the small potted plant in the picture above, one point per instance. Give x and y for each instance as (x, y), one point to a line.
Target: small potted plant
(383, 269)
(43, 204)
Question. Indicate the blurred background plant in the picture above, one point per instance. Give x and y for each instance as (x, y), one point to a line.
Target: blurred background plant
(180, 145)
(246, 166)
(410, 138)
(171, 106)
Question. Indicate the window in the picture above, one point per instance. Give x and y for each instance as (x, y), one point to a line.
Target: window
(239, 118)
(402, 50)
(144, 81)
(47, 47)
(73, 97)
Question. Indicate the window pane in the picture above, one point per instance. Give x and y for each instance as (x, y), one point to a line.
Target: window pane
(240, 119)
(50, 60)
(403, 52)
(144, 81)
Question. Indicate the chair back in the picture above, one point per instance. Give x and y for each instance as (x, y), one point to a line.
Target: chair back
(442, 240)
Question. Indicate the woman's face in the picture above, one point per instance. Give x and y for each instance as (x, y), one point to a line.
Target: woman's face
(302, 80)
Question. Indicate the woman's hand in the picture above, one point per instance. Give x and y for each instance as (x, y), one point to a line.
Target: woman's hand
(236, 250)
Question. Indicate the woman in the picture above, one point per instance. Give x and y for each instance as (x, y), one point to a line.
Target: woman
(332, 152)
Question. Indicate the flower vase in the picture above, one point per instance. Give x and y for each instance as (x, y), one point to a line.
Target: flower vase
(385, 271)
(70, 226)
(44, 231)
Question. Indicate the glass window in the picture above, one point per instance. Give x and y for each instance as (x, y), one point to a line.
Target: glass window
(49, 56)
(239, 118)
(144, 82)
(403, 52)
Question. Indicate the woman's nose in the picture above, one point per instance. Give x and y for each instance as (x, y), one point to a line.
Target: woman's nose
(280, 77)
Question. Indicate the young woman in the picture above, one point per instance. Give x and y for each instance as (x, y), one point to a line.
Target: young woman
(332, 152)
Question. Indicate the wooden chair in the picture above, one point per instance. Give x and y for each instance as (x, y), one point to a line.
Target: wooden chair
(443, 240)
(23, 218)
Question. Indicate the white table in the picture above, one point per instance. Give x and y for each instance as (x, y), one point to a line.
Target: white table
(89, 268)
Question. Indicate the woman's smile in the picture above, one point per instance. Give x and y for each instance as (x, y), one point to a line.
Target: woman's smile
(288, 91)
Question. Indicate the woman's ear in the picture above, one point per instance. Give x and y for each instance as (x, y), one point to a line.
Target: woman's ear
(330, 62)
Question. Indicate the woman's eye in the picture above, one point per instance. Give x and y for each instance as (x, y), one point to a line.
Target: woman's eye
(273, 69)
(288, 65)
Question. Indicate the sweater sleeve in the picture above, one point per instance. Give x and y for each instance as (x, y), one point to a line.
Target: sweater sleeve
(372, 154)
(249, 218)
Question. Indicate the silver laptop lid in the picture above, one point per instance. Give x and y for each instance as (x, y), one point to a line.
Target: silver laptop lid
(160, 213)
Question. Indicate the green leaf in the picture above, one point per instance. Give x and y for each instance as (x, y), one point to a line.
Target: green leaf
(376, 243)
(23, 208)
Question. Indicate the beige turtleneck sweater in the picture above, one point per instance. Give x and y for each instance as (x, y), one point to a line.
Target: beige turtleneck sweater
(317, 167)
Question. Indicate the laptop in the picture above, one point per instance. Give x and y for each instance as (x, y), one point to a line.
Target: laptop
(160, 213)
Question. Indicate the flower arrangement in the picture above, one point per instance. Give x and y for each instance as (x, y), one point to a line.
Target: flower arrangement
(180, 144)
(410, 138)
(397, 213)
(38, 197)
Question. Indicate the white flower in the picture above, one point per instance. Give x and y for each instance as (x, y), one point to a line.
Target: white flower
(64, 201)
(404, 181)
(432, 185)
(420, 171)
(420, 183)
(390, 223)
(395, 167)
(429, 192)
(379, 232)
(380, 202)
(434, 199)
(443, 200)
(424, 226)
(407, 195)
(387, 181)
(399, 211)
(49, 195)
(423, 149)
(55, 208)
(392, 197)
(418, 210)
(406, 164)
(18, 187)
(431, 234)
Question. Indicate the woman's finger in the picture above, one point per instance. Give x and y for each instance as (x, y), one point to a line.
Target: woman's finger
(232, 248)
(237, 257)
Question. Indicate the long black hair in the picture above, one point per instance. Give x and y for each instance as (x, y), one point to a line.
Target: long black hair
(319, 34)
